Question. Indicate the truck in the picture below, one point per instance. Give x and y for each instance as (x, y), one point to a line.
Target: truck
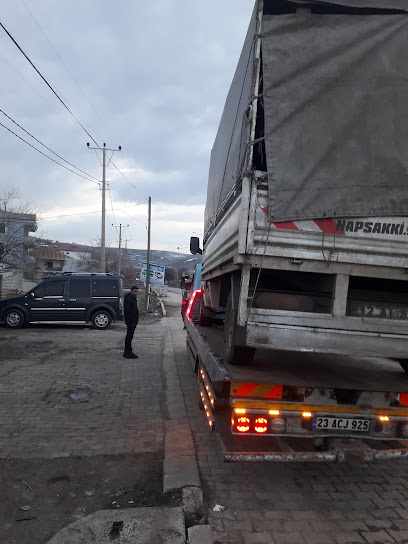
(306, 218)
(300, 322)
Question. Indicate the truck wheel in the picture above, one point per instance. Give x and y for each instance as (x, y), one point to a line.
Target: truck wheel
(234, 354)
(204, 320)
(404, 364)
(14, 319)
(101, 320)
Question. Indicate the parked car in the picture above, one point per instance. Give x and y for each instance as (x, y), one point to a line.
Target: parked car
(95, 298)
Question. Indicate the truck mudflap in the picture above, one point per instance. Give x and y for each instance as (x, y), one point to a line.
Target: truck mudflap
(339, 452)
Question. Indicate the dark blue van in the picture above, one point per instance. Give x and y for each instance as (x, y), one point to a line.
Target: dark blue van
(95, 298)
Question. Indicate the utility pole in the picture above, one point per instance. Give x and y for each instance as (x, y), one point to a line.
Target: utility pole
(120, 243)
(149, 220)
(103, 242)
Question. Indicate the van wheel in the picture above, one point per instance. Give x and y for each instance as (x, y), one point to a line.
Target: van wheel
(101, 320)
(14, 319)
(404, 364)
(234, 354)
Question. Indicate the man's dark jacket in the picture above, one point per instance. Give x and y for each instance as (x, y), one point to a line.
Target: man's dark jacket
(131, 310)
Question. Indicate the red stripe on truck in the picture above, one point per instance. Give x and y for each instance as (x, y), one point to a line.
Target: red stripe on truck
(328, 225)
(286, 225)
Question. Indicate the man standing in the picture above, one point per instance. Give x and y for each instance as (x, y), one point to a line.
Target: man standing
(131, 319)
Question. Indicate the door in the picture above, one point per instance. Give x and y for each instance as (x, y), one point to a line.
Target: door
(79, 298)
(48, 302)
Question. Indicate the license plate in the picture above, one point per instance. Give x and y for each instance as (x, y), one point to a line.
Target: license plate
(378, 310)
(340, 424)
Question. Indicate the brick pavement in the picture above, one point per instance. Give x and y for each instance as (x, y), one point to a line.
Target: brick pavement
(42, 366)
(293, 503)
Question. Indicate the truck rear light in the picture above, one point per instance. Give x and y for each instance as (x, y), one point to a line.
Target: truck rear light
(278, 425)
(261, 425)
(384, 419)
(192, 300)
(403, 399)
(274, 412)
(307, 415)
(240, 411)
(243, 424)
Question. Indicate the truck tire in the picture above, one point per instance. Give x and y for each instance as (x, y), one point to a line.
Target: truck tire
(14, 318)
(204, 320)
(233, 353)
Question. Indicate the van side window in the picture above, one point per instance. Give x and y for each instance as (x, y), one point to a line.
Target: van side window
(54, 289)
(39, 291)
(79, 288)
(105, 288)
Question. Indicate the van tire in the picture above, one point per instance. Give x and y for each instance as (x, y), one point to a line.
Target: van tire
(14, 318)
(233, 353)
(101, 320)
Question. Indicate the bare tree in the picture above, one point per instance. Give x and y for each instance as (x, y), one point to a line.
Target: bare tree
(17, 219)
(91, 262)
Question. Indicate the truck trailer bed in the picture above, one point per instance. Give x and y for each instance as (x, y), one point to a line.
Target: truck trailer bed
(306, 369)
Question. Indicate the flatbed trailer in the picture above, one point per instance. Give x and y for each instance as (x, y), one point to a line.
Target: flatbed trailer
(300, 407)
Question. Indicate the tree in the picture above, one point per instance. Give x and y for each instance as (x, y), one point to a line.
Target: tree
(92, 261)
(17, 220)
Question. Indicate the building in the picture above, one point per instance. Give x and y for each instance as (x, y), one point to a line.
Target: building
(15, 237)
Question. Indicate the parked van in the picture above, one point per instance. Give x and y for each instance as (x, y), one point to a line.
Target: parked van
(95, 298)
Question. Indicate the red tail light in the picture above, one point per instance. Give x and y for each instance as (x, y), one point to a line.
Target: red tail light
(243, 424)
(403, 398)
(192, 300)
(261, 425)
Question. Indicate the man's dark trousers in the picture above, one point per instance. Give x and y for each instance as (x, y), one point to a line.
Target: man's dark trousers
(129, 336)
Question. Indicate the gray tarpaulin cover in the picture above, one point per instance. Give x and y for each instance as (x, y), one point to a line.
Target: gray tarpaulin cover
(336, 107)
(336, 114)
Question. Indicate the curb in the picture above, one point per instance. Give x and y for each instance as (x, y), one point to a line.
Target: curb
(180, 469)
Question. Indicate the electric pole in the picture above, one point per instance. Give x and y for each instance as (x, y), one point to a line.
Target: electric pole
(103, 242)
(120, 227)
(148, 255)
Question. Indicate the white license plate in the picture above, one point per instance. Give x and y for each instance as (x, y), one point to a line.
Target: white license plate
(378, 310)
(340, 424)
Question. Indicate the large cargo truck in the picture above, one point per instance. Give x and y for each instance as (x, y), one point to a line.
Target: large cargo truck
(297, 407)
(306, 222)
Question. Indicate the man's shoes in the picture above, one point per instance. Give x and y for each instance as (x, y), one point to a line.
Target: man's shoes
(130, 355)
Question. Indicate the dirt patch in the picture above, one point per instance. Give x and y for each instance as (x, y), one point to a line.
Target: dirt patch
(41, 496)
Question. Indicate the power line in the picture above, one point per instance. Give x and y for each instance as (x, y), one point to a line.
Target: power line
(63, 103)
(45, 155)
(46, 147)
(87, 213)
(45, 81)
(65, 66)
(136, 189)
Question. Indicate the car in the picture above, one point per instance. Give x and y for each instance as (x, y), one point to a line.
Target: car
(94, 298)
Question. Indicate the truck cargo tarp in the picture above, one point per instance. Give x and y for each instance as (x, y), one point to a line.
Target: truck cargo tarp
(336, 113)
(233, 133)
(379, 4)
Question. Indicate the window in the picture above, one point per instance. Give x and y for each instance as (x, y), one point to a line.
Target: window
(79, 287)
(54, 289)
(39, 291)
(105, 288)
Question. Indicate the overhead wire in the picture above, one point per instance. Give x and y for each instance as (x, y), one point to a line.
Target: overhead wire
(45, 80)
(45, 155)
(46, 147)
(63, 103)
(60, 58)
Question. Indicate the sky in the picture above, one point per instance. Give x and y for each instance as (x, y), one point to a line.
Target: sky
(151, 77)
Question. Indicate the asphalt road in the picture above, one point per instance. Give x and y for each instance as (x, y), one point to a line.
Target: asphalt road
(83, 429)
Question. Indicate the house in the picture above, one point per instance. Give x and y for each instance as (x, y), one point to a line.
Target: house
(15, 237)
(49, 261)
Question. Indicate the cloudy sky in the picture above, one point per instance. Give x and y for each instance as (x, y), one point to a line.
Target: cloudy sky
(151, 77)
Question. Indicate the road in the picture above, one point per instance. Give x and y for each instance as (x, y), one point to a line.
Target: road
(84, 429)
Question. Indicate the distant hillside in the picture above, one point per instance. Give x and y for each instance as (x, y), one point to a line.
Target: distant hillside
(135, 257)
